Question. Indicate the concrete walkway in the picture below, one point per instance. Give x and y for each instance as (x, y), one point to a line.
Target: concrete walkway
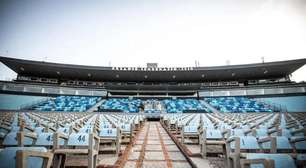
(155, 149)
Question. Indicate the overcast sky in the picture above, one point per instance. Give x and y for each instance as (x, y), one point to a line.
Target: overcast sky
(171, 33)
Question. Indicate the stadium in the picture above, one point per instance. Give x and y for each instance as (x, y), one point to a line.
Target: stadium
(87, 116)
(153, 84)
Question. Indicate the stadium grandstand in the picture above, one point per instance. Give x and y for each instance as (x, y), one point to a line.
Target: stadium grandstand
(235, 116)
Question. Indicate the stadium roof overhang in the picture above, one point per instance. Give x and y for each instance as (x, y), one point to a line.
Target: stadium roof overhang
(267, 70)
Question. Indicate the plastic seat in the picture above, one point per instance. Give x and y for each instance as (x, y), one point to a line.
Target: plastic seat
(126, 128)
(112, 132)
(8, 157)
(86, 130)
(78, 139)
(280, 160)
(237, 132)
(39, 130)
(246, 142)
(11, 140)
(282, 143)
(46, 139)
(300, 145)
(261, 132)
(286, 132)
(63, 130)
(105, 126)
(191, 129)
(213, 134)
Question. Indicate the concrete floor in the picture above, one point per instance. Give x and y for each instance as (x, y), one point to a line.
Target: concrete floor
(155, 149)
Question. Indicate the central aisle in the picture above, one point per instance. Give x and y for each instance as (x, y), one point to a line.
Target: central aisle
(155, 149)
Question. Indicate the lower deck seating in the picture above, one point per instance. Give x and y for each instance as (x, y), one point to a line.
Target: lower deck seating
(75, 134)
(241, 139)
(244, 139)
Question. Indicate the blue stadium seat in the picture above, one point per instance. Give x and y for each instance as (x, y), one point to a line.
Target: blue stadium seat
(282, 143)
(301, 144)
(246, 142)
(191, 129)
(46, 139)
(11, 140)
(125, 105)
(78, 139)
(108, 133)
(237, 104)
(213, 134)
(8, 157)
(64, 130)
(39, 130)
(86, 129)
(280, 160)
(67, 104)
(181, 105)
(261, 132)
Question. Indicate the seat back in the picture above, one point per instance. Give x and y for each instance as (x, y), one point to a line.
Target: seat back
(237, 132)
(78, 139)
(39, 130)
(86, 130)
(261, 132)
(46, 139)
(191, 129)
(108, 132)
(246, 143)
(213, 134)
(126, 127)
(64, 130)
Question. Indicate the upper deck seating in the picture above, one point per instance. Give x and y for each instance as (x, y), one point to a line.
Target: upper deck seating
(181, 105)
(125, 105)
(237, 104)
(67, 104)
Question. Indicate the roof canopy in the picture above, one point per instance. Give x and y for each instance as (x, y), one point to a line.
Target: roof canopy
(196, 74)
